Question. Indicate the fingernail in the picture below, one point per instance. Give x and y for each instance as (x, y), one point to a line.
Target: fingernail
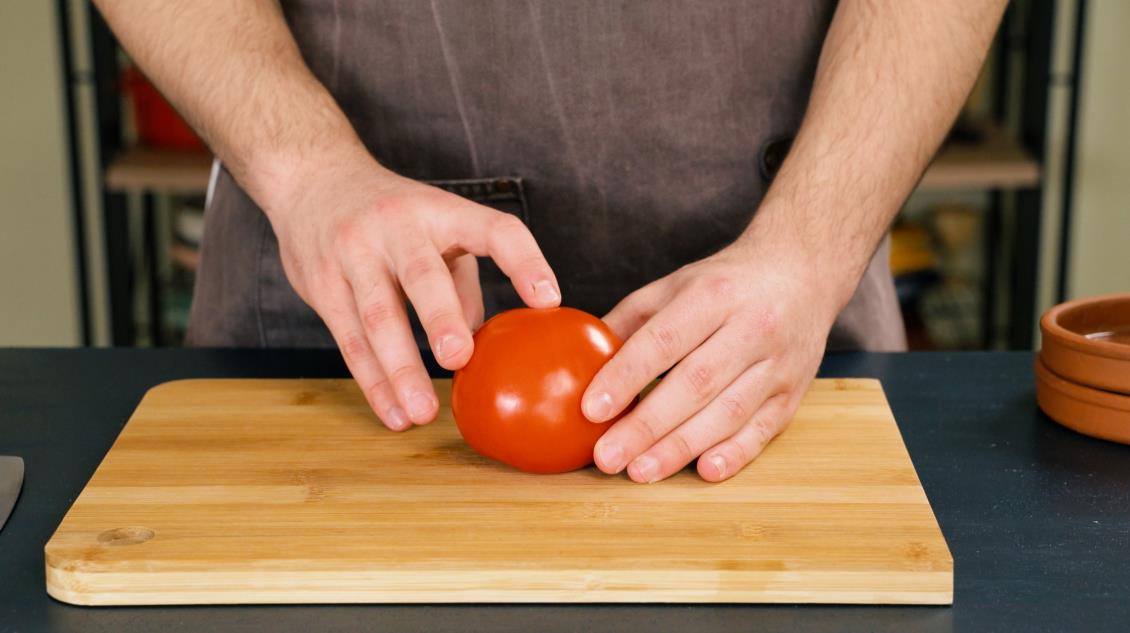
(545, 292)
(419, 405)
(396, 420)
(719, 464)
(647, 468)
(611, 456)
(598, 407)
(449, 346)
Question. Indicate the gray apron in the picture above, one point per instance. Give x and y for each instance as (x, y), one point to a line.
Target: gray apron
(631, 137)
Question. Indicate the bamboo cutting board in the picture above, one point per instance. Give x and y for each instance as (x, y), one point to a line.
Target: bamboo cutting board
(272, 491)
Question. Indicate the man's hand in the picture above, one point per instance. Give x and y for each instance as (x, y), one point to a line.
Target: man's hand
(356, 243)
(355, 238)
(742, 333)
(744, 330)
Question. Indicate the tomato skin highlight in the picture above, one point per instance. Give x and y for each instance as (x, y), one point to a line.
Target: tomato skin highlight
(518, 400)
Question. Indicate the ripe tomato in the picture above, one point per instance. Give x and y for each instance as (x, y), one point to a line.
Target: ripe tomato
(518, 400)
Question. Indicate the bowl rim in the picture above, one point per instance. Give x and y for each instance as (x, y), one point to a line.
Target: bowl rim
(1051, 328)
(1076, 391)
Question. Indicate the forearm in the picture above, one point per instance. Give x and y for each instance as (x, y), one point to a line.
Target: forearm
(891, 78)
(233, 69)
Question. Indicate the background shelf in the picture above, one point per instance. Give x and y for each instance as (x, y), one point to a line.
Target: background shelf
(994, 162)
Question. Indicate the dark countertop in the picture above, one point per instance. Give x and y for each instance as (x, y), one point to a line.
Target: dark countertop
(1037, 517)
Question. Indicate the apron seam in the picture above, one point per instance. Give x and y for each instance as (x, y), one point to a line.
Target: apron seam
(213, 178)
(472, 150)
(335, 53)
(263, 227)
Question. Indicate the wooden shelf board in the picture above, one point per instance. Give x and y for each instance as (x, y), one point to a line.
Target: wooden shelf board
(997, 162)
(141, 169)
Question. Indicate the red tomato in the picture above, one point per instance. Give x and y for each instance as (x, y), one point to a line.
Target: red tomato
(518, 400)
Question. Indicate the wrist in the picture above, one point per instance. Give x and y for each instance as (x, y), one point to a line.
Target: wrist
(280, 180)
(826, 268)
(319, 154)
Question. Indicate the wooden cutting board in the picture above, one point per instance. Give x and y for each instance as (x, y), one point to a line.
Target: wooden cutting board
(272, 491)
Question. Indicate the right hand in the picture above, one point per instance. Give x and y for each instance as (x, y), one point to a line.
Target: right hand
(356, 242)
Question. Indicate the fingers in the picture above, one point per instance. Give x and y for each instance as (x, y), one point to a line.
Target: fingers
(505, 239)
(465, 274)
(654, 348)
(635, 309)
(731, 455)
(739, 405)
(689, 387)
(345, 326)
(428, 283)
(389, 334)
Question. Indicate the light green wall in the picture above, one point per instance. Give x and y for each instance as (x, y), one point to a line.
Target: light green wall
(38, 297)
(1100, 232)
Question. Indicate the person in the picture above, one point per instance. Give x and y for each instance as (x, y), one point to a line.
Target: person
(717, 177)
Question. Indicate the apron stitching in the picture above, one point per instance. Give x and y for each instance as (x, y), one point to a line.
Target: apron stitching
(336, 52)
(263, 227)
(583, 177)
(455, 90)
(213, 176)
(558, 110)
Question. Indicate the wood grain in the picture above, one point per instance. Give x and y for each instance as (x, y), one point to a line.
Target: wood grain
(276, 491)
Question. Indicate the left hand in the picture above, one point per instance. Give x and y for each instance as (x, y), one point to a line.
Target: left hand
(744, 331)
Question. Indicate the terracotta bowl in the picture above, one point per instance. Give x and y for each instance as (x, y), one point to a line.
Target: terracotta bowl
(1088, 341)
(1093, 412)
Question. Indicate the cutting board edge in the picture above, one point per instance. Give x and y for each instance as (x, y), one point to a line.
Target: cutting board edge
(249, 589)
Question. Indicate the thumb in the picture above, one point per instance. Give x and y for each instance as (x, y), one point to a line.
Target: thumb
(636, 309)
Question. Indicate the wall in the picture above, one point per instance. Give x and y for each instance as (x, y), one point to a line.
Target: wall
(1099, 256)
(38, 271)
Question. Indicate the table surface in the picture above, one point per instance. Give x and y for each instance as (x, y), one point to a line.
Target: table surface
(1037, 516)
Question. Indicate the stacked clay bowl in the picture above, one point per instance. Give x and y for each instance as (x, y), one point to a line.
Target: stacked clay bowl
(1083, 370)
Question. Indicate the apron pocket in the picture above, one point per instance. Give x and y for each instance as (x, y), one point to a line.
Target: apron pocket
(505, 194)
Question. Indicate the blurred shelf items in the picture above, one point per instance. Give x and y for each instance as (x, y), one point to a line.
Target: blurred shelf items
(166, 166)
(964, 248)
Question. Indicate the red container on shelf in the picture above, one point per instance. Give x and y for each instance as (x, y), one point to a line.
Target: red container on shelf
(158, 124)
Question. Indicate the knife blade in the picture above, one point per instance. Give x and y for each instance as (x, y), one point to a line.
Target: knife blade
(11, 481)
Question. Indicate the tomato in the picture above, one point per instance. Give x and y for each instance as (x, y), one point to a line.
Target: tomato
(518, 400)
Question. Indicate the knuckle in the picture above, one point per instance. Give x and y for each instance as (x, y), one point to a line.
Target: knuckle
(647, 295)
(665, 339)
(744, 454)
(354, 347)
(734, 410)
(768, 323)
(700, 380)
(416, 269)
(402, 373)
(377, 314)
(507, 225)
(391, 206)
(348, 237)
(749, 336)
(377, 389)
(432, 319)
(718, 287)
(647, 428)
(682, 448)
(533, 263)
(509, 235)
(762, 431)
(617, 376)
